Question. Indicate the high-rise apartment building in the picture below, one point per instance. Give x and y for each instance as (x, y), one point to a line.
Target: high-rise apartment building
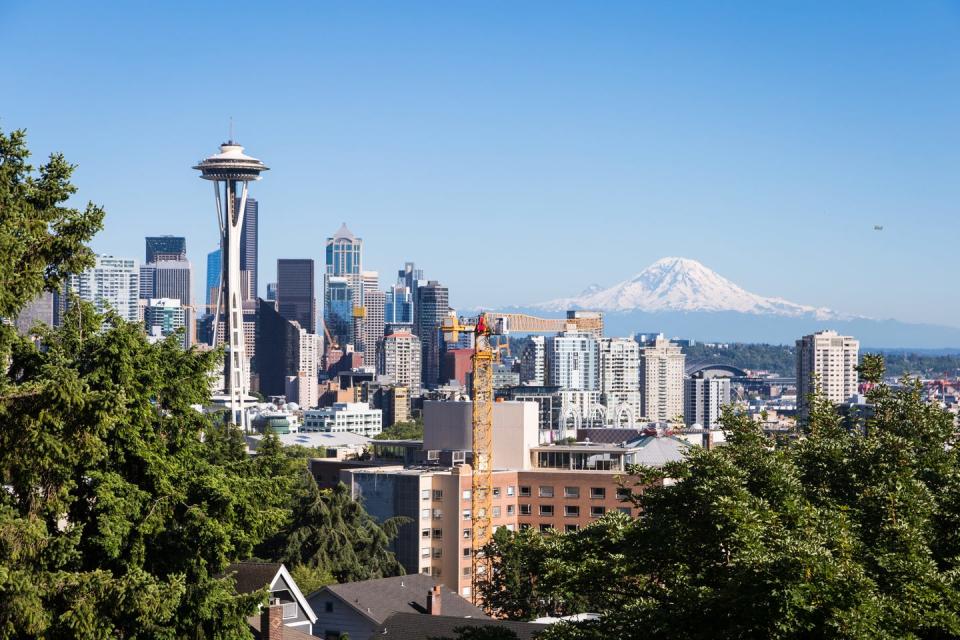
(40, 310)
(214, 272)
(163, 317)
(295, 293)
(533, 362)
(705, 399)
(173, 279)
(400, 355)
(620, 380)
(826, 363)
(433, 303)
(661, 380)
(573, 360)
(374, 302)
(250, 248)
(398, 305)
(160, 248)
(342, 284)
(112, 283)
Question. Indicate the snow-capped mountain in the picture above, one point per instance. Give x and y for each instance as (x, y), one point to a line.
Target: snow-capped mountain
(681, 284)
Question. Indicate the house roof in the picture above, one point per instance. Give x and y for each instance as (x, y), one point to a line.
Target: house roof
(378, 599)
(411, 626)
(253, 576)
(656, 452)
(289, 633)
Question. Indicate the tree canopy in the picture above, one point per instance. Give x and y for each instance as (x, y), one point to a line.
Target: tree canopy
(838, 533)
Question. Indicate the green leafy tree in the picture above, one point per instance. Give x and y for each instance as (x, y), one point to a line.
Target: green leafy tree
(402, 431)
(332, 532)
(839, 533)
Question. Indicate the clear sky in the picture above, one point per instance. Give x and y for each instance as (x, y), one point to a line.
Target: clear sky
(520, 151)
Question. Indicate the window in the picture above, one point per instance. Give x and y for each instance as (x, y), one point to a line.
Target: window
(438, 533)
(426, 570)
(328, 607)
(466, 592)
(466, 552)
(525, 510)
(525, 492)
(546, 510)
(425, 514)
(438, 494)
(466, 571)
(466, 494)
(424, 552)
(546, 492)
(571, 510)
(524, 526)
(496, 512)
(571, 527)
(466, 533)
(425, 533)
(510, 490)
(437, 552)
(496, 492)
(425, 494)
(546, 528)
(625, 510)
(571, 492)
(597, 512)
(466, 514)
(623, 493)
(437, 514)
(598, 492)
(510, 509)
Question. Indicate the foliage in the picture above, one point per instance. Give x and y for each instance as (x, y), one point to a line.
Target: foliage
(118, 517)
(331, 532)
(402, 431)
(41, 241)
(839, 534)
(310, 578)
(781, 359)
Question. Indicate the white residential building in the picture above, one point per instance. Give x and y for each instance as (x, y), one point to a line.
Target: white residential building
(826, 362)
(573, 361)
(620, 380)
(163, 317)
(705, 399)
(399, 359)
(661, 380)
(355, 417)
(112, 283)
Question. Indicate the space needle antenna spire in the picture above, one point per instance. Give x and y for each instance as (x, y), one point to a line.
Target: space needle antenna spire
(231, 172)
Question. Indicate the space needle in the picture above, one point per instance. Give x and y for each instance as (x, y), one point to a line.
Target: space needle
(231, 171)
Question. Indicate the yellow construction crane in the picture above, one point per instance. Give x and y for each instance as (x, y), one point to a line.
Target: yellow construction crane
(485, 327)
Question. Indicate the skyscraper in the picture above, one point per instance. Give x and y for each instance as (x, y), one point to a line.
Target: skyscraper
(533, 362)
(295, 293)
(249, 248)
(826, 363)
(112, 283)
(164, 316)
(705, 399)
(374, 301)
(573, 360)
(214, 270)
(661, 380)
(620, 379)
(398, 305)
(173, 279)
(433, 302)
(165, 248)
(342, 284)
(399, 358)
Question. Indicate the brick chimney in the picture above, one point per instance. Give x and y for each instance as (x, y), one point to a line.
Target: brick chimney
(271, 622)
(433, 601)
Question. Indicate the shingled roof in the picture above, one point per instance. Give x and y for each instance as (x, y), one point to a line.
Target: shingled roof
(411, 626)
(253, 576)
(378, 599)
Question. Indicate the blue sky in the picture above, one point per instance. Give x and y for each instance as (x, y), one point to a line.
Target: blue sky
(522, 151)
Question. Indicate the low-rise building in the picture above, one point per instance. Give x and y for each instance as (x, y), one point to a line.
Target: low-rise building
(356, 417)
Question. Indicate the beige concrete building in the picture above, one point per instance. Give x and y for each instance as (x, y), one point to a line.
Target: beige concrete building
(620, 380)
(400, 358)
(826, 362)
(661, 380)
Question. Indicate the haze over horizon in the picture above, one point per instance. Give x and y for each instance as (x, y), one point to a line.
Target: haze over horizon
(764, 142)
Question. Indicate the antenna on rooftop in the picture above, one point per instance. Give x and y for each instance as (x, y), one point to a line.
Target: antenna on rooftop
(231, 130)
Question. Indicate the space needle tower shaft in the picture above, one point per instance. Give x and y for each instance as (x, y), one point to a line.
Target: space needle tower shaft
(231, 171)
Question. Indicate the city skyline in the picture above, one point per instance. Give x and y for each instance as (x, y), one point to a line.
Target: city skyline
(766, 144)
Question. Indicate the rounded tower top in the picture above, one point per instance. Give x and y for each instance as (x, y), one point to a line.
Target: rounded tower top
(231, 164)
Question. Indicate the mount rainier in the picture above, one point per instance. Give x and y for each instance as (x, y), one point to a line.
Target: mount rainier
(682, 297)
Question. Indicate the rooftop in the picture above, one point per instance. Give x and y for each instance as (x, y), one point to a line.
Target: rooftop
(409, 626)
